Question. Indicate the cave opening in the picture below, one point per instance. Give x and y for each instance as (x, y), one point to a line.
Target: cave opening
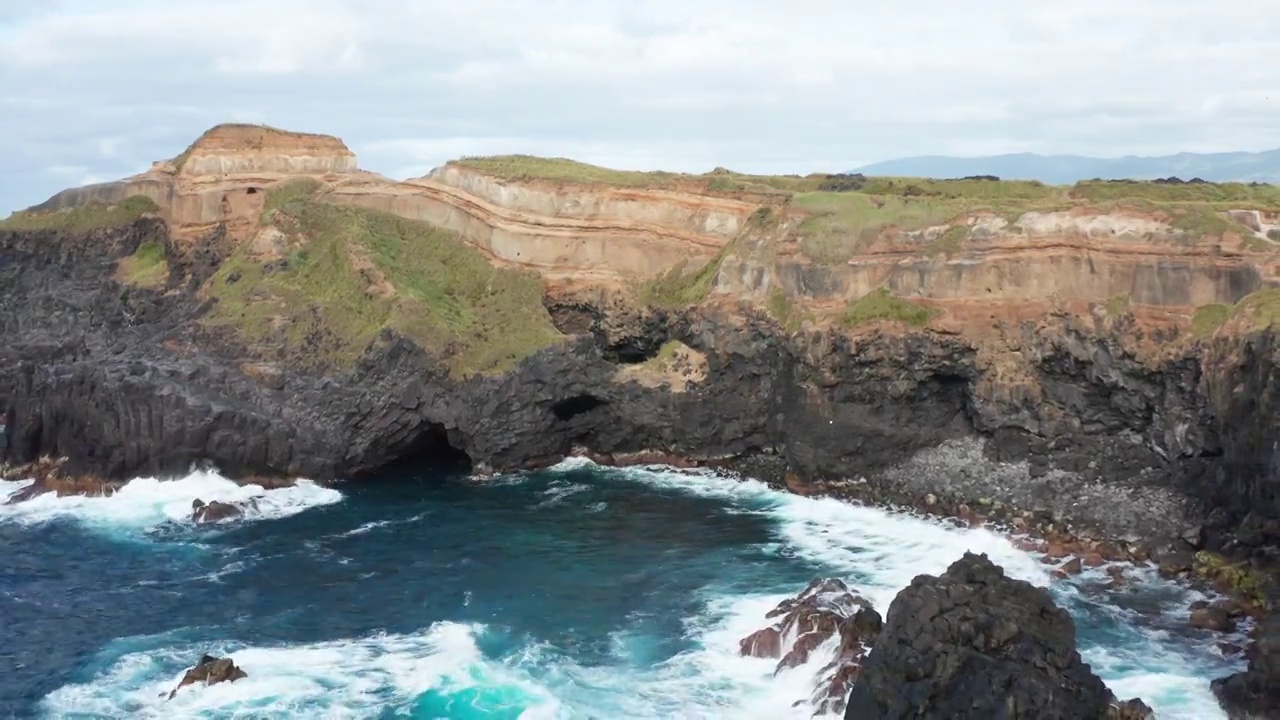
(633, 350)
(251, 191)
(577, 405)
(430, 453)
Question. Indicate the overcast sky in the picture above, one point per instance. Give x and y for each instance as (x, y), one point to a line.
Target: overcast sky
(94, 90)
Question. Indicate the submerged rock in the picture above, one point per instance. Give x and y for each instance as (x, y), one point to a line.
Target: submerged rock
(826, 608)
(973, 643)
(210, 671)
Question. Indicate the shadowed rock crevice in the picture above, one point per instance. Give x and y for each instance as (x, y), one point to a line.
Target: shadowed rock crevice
(577, 405)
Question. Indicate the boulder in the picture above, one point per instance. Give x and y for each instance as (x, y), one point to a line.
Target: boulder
(210, 671)
(973, 643)
(203, 513)
(1212, 618)
(826, 608)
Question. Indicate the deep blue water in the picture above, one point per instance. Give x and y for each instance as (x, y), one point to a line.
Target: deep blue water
(573, 592)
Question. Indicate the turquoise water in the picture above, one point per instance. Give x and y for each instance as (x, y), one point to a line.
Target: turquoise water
(576, 592)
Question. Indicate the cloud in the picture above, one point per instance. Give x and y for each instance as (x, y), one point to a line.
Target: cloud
(749, 84)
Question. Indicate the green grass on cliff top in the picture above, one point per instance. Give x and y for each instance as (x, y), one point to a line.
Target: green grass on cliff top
(358, 271)
(847, 211)
(85, 218)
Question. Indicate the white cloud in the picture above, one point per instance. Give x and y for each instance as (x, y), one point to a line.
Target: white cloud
(751, 84)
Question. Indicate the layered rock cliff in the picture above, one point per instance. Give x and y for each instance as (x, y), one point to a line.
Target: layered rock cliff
(1104, 354)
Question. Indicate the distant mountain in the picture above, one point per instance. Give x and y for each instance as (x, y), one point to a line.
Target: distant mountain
(1065, 169)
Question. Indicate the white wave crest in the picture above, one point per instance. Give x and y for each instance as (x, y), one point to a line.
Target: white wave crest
(439, 672)
(146, 503)
(878, 553)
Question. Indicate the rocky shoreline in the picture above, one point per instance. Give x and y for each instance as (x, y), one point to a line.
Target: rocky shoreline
(1087, 443)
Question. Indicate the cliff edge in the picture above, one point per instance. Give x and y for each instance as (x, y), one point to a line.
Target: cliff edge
(1102, 357)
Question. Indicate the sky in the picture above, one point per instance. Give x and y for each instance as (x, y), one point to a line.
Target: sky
(93, 91)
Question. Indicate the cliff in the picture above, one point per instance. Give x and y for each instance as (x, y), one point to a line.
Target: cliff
(1102, 356)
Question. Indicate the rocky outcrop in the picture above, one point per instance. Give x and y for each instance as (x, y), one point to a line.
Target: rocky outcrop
(823, 610)
(974, 643)
(50, 476)
(210, 671)
(204, 513)
(1255, 693)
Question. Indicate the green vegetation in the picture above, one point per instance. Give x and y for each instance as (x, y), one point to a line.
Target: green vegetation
(1239, 194)
(1201, 220)
(1262, 307)
(529, 167)
(949, 241)
(147, 266)
(847, 211)
(94, 215)
(1208, 318)
(1118, 305)
(361, 271)
(678, 288)
(880, 304)
(1239, 579)
(790, 316)
(288, 192)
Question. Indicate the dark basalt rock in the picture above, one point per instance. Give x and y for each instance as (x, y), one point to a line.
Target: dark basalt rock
(203, 513)
(210, 671)
(1255, 693)
(826, 608)
(973, 643)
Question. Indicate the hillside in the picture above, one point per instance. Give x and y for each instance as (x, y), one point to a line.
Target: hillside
(1066, 169)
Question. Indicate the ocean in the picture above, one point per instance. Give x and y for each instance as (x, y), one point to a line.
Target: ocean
(574, 592)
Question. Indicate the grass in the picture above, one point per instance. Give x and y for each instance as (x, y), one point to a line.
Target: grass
(880, 304)
(1262, 307)
(678, 288)
(529, 167)
(1118, 305)
(85, 218)
(1208, 318)
(1235, 193)
(949, 241)
(1204, 220)
(361, 271)
(147, 266)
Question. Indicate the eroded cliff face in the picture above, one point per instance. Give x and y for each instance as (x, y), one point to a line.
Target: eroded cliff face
(1051, 349)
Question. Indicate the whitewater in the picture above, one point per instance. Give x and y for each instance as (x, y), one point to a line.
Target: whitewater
(574, 592)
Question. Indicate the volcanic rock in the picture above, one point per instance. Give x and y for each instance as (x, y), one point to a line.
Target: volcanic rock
(826, 608)
(973, 643)
(216, 510)
(210, 671)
